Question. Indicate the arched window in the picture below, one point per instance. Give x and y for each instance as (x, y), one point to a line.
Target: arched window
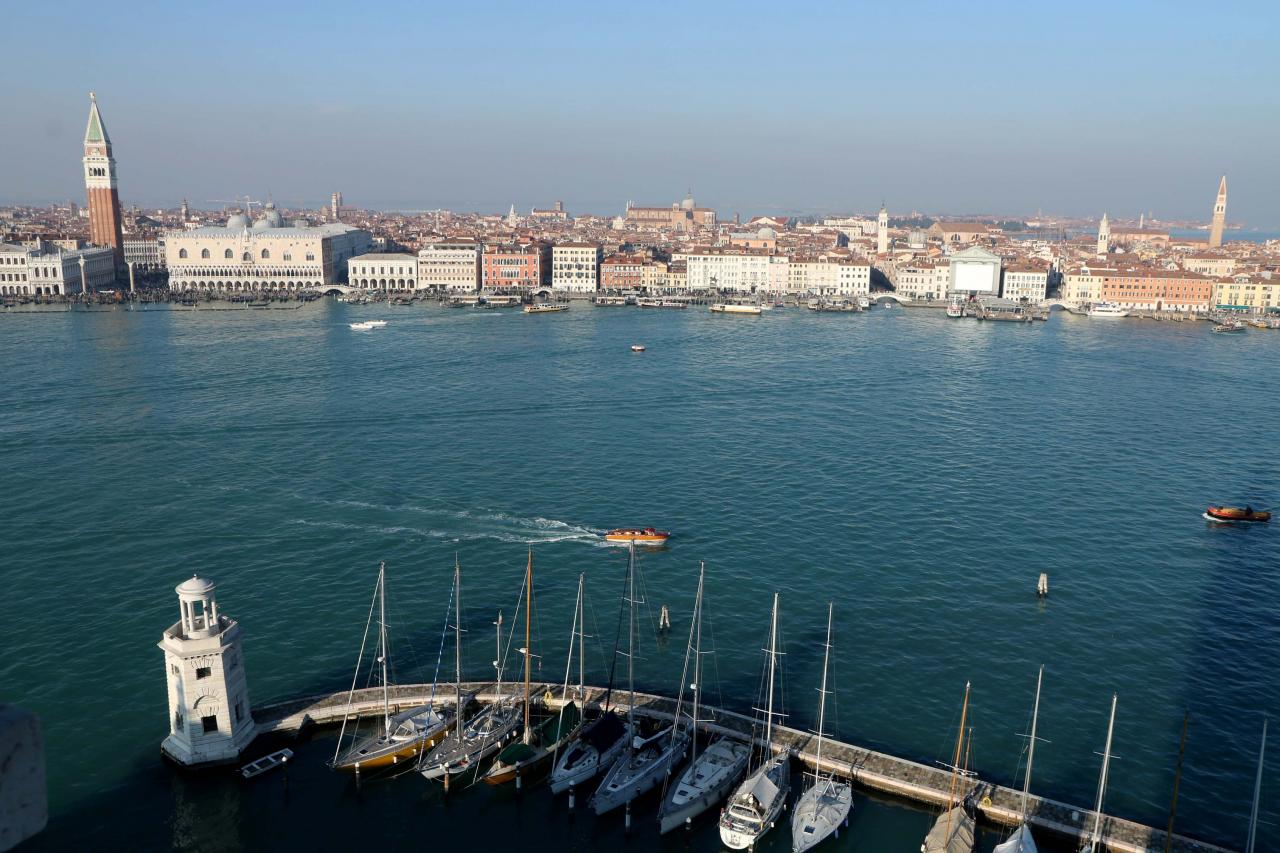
(265, 254)
(247, 257)
(311, 256)
(182, 253)
(288, 256)
(227, 254)
(204, 253)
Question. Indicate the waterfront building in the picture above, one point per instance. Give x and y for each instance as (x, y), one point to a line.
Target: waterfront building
(383, 271)
(451, 265)
(267, 255)
(741, 270)
(924, 278)
(882, 231)
(575, 267)
(1139, 288)
(209, 713)
(100, 184)
(779, 274)
(1104, 238)
(975, 272)
(663, 276)
(1247, 293)
(144, 252)
(1219, 215)
(829, 276)
(526, 266)
(684, 216)
(41, 268)
(1025, 282)
(1082, 285)
(622, 272)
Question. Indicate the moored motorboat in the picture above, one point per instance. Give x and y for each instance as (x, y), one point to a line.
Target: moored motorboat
(1229, 325)
(638, 535)
(637, 347)
(955, 309)
(1107, 311)
(1236, 513)
(545, 308)
(732, 308)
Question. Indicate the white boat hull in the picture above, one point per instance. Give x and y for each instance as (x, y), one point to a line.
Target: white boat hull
(583, 771)
(739, 835)
(634, 776)
(704, 783)
(1020, 842)
(819, 813)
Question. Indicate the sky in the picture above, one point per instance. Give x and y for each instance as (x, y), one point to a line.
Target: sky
(942, 107)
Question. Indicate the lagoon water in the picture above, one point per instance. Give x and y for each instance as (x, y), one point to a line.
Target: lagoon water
(918, 472)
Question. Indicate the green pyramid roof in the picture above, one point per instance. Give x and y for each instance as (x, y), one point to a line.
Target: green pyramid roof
(97, 131)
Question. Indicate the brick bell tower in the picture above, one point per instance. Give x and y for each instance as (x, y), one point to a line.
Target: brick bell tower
(100, 185)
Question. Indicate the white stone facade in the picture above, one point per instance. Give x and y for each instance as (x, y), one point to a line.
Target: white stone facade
(383, 271)
(144, 253)
(924, 280)
(575, 267)
(209, 713)
(266, 256)
(1083, 286)
(450, 265)
(1021, 284)
(712, 269)
(975, 271)
(43, 269)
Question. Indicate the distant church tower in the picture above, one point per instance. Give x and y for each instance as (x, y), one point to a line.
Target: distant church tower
(209, 719)
(1219, 215)
(882, 231)
(1104, 237)
(100, 184)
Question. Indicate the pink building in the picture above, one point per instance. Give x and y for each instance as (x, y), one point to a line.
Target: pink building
(526, 266)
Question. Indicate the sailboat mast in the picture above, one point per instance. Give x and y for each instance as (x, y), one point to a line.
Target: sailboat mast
(1257, 791)
(697, 665)
(528, 614)
(631, 644)
(1102, 779)
(497, 663)
(822, 700)
(1031, 748)
(582, 630)
(773, 656)
(382, 644)
(457, 643)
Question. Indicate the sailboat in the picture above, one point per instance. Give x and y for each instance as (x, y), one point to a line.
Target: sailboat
(953, 832)
(1021, 841)
(647, 760)
(1095, 834)
(711, 773)
(755, 805)
(532, 753)
(826, 804)
(402, 736)
(484, 733)
(599, 742)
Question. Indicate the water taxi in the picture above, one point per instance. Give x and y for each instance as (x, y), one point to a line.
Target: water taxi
(1229, 326)
(955, 309)
(730, 308)
(366, 325)
(545, 308)
(637, 347)
(1236, 513)
(638, 535)
(1107, 311)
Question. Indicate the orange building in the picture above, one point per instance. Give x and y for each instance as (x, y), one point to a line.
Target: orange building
(1151, 289)
(523, 266)
(621, 272)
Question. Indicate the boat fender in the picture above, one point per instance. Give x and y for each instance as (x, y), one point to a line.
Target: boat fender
(986, 802)
(547, 697)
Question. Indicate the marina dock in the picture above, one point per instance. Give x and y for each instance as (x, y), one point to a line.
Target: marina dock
(872, 770)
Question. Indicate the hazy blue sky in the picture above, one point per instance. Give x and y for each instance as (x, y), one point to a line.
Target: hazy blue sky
(954, 107)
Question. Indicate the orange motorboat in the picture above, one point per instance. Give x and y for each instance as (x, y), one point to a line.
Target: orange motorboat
(638, 535)
(1236, 513)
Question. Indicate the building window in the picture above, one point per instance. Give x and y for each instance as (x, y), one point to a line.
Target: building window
(247, 257)
(177, 721)
(311, 256)
(182, 253)
(210, 724)
(202, 672)
(204, 253)
(227, 254)
(288, 256)
(265, 254)
(173, 667)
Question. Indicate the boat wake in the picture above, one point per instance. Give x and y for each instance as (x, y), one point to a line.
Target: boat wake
(458, 525)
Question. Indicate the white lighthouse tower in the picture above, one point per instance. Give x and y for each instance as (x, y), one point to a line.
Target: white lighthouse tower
(209, 719)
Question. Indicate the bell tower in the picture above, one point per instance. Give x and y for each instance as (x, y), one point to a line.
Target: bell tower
(1219, 215)
(100, 184)
(882, 231)
(209, 719)
(1104, 237)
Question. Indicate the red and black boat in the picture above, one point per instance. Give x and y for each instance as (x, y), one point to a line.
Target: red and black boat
(1236, 513)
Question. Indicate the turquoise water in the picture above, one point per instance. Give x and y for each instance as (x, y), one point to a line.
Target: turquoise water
(919, 472)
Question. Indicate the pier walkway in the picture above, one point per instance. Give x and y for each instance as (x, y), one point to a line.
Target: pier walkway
(873, 770)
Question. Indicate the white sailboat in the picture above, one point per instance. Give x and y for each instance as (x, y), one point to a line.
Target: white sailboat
(646, 761)
(954, 830)
(827, 802)
(599, 742)
(482, 735)
(402, 736)
(1095, 834)
(711, 773)
(755, 805)
(1021, 841)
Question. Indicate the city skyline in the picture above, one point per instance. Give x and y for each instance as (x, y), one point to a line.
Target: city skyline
(811, 126)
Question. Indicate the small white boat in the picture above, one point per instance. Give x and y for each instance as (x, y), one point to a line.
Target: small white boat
(262, 765)
(955, 309)
(1107, 311)
(366, 325)
(731, 308)
(1231, 325)
(637, 347)
(545, 308)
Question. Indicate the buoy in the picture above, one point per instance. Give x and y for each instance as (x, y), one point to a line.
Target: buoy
(664, 619)
(1042, 587)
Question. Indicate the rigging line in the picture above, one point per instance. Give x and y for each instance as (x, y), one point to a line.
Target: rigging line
(440, 654)
(617, 639)
(356, 675)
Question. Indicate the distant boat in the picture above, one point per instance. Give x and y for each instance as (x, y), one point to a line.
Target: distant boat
(1107, 311)
(731, 308)
(637, 347)
(545, 308)
(1235, 513)
(266, 763)
(1231, 325)
(756, 804)
(366, 325)
(826, 804)
(637, 535)
(955, 309)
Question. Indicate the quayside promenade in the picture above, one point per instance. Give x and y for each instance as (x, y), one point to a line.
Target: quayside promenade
(872, 770)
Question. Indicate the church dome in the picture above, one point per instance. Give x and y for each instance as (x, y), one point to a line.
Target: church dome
(238, 220)
(272, 216)
(766, 234)
(261, 223)
(688, 203)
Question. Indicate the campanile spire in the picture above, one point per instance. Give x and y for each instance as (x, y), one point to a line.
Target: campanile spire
(100, 184)
(1219, 215)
